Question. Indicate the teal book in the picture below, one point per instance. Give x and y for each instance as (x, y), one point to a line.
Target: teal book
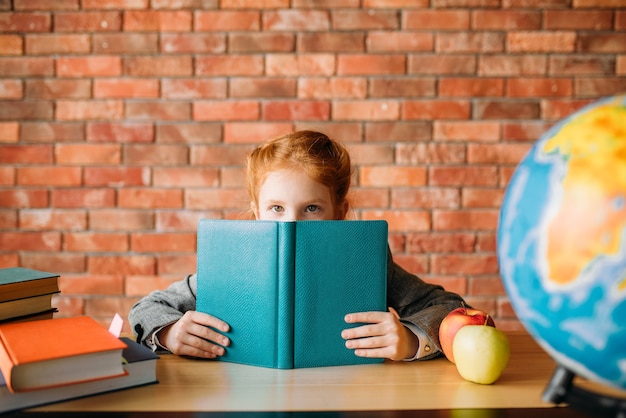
(285, 287)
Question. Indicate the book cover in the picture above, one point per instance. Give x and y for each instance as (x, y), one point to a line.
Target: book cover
(139, 365)
(50, 352)
(20, 282)
(25, 306)
(285, 287)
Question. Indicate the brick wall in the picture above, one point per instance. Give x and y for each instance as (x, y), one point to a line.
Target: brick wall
(122, 122)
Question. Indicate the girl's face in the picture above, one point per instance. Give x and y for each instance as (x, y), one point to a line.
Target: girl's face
(291, 195)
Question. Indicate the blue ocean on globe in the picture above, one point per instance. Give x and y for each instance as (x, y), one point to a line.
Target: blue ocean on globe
(562, 241)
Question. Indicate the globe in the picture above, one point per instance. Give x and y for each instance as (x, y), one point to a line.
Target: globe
(561, 242)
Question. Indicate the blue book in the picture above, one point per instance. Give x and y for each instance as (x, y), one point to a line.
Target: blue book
(285, 287)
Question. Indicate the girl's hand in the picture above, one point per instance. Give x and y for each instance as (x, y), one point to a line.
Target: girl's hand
(191, 336)
(383, 335)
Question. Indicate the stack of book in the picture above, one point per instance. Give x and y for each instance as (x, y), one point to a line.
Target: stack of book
(26, 294)
(52, 360)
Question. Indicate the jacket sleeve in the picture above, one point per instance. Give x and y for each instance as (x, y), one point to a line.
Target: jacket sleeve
(162, 307)
(421, 304)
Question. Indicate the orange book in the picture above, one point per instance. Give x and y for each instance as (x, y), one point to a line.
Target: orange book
(52, 352)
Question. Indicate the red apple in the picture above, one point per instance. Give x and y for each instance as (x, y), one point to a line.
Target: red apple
(457, 319)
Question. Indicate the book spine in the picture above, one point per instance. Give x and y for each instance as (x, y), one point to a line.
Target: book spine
(285, 294)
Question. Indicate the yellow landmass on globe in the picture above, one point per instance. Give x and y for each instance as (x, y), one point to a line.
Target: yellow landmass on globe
(591, 217)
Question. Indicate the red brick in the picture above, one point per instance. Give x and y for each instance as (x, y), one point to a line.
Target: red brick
(408, 4)
(193, 42)
(11, 89)
(88, 154)
(503, 109)
(330, 42)
(423, 198)
(118, 88)
(482, 197)
(385, 41)
(470, 42)
(147, 198)
(24, 198)
(123, 264)
(162, 66)
(539, 87)
(226, 20)
(482, 286)
(365, 20)
(261, 42)
(124, 132)
(459, 220)
(439, 64)
(120, 220)
(296, 110)
(163, 242)
(11, 45)
(9, 260)
(471, 87)
(464, 264)
(95, 242)
(226, 110)
(392, 176)
(523, 131)
(397, 131)
(157, 20)
(506, 19)
(361, 64)
(58, 89)
(463, 176)
(188, 133)
(51, 132)
(45, 5)
(401, 221)
(214, 199)
(254, 133)
(182, 265)
(332, 88)
(86, 109)
(598, 87)
(156, 155)
(56, 261)
(26, 66)
(82, 198)
(598, 42)
(162, 110)
(30, 241)
(416, 264)
(115, 4)
(372, 154)
(496, 153)
(436, 19)
(597, 3)
(228, 65)
(180, 220)
(578, 19)
(366, 110)
(52, 219)
(269, 87)
(194, 88)
(296, 20)
(581, 64)
(25, 22)
(7, 176)
(125, 43)
(512, 65)
(87, 21)
(33, 154)
(48, 176)
(218, 155)
(301, 65)
(361, 198)
(57, 44)
(466, 131)
(441, 242)
(539, 41)
(91, 66)
(9, 131)
(435, 109)
(404, 87)
(185, 177)
(117, 176)
(558, 109)
(262, 4)
(142, 285)
(92, 284)
(16, 110)
(430, 153)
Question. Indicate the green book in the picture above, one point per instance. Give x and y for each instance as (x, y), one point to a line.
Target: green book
(285, 287)
(19, 283)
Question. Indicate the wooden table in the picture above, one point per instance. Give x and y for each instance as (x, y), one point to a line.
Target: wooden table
(188, 385)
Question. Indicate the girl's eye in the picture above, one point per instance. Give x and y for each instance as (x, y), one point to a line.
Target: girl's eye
(277, 209)
(312, 208)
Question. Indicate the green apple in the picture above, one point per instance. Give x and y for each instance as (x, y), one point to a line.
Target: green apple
(481, 353)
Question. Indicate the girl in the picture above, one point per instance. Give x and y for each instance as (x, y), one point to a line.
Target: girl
(302, 176)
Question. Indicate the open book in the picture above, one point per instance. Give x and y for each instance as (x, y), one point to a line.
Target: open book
(285, 287)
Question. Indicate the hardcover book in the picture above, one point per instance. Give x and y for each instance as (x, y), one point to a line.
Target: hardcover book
(139, 363)
(285, 287)
(52, 352)
(20, 282)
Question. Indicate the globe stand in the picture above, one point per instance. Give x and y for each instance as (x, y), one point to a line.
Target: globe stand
(561, 389)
